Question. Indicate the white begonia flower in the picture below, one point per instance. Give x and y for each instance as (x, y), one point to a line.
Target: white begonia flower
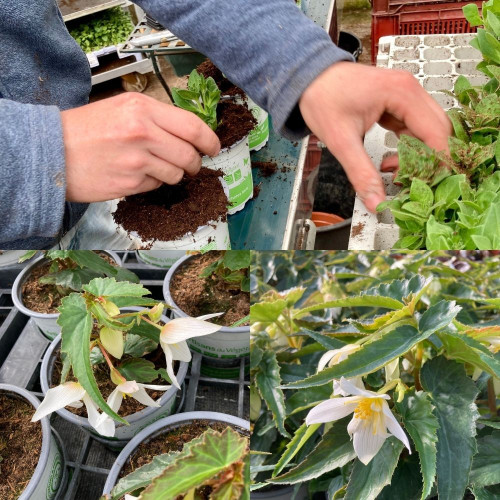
(392, 370)
(173, 338)
(370, 423)
(130, 497)
(69, 394)
(129, 388)
(334, 357)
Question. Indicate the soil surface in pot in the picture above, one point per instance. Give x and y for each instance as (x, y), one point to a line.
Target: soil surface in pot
(20, 445)
(170, 212)
(208, 69)
(236, 121)
(198, 296)
(44, 298)
(130, 405)
(173, 440)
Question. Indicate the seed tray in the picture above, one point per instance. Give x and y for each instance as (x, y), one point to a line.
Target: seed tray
(88, 462)
(436, 61)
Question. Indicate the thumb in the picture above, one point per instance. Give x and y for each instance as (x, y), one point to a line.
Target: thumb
(359, 168)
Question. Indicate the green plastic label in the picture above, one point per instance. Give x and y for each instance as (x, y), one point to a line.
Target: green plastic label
(260, 134)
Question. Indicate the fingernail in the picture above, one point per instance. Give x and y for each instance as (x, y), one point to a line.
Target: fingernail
(372, 200)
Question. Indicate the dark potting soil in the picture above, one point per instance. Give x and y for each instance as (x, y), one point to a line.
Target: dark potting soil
(256, 191)
(266, 168)
(173, 440)
(45, 298)
(235, 121)
(198, 296)
(357, 229)
(130, 405)
(20, 445)
(208, 69)
(170, 212)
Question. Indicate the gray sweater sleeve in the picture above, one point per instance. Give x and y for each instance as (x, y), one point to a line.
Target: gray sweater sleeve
(33, 167)
(267, 47)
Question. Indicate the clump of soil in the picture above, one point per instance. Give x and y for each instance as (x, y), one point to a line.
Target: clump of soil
(208, 69)
(235, 121)
(130, 405)
(357, 229)
(170, 212)
(256, 191)
(20, 445)
(198, 296)
(266, 168)
(44, 298)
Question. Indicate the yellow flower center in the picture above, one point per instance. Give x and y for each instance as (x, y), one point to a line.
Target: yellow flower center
(367, 408)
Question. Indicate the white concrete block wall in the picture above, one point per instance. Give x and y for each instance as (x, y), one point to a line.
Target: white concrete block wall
(436, 61)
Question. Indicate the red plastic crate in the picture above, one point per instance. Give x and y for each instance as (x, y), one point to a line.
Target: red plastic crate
(393, 17)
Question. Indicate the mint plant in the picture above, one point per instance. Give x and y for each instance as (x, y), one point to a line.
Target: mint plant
(397, 354)
(181, 474)
(201, 98)
(95, 331)
(454, 202)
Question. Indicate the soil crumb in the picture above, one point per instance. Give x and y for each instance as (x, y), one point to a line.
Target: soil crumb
(266, 168)
(208, 69)
(198, 296)
(236, 121)
(20, 445)
(357, 229)
(256, 191)
(170, 212)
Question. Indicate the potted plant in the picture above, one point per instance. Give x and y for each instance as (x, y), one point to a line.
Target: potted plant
(232, 123)
(390, 389)
(191, 215)
(211, 283)
(112, 359)
(259, 136)
(208, 447)
(32, 461)
(39, 288)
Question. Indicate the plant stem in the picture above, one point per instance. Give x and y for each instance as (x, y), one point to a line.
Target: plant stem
(492, 399)
(418, 364)
(151, 322)
(106, 356)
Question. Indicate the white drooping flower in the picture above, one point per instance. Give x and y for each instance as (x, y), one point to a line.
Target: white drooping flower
(372, 423)
(334, 357)
(173, 338)
(69, 394)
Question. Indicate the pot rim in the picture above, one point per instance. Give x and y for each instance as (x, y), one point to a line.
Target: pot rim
(46, 440)
(165, 424)
(170, 301)
(21, 278)
(333, 227)
(46, 370)
(226, 150)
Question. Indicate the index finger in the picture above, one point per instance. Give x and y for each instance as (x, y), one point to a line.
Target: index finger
(186, 126)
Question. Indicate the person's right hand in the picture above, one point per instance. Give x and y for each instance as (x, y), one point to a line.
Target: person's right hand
(130, 144)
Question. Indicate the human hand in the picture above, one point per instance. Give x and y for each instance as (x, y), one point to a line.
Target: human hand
(347, 99)
(130, 144)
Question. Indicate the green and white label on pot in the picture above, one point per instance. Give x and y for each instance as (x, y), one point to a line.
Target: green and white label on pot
(222, 344)
(160, 258)
(237, 168)
(50, 481)
(260, 134)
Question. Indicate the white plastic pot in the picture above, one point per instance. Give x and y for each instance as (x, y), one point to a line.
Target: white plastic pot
(137, 422)
(236, 165)
(162, 427)
(260, 134)
(10, 257)
(228, 344)
(160, 258)
(47, 323)
(211, 237)
(48, 477)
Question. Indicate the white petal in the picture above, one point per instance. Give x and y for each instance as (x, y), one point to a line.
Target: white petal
(366, 442)
(115, 400)
(338, 391)
(392, 370)
(169, 362)
(180, 351)
(105, 426)
(92, 410)
(348, 386)
(76, 404)
(393, 426)
(130, 497)
(59, 397)
(209, 316)
(143, 397)
(185, 328)
(128, 387)
(325, 359)
(156, 387)
(333, 409)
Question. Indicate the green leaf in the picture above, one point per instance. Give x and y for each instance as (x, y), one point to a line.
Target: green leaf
(367, 481)
(137, 346)
(486, 463)
(438, 316)
(138, 369)
(70, 278)
(76, 325)
(267, 312)
(27, 256)
(453, 395)
(206, 460)
(370, 357)
(422, 193)
(302, 434)
(237, 259)
(268, 381)
(327, 342)
(105, 319)
(109, 287)
(421, 424)
(334, 450)
(471, 13)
